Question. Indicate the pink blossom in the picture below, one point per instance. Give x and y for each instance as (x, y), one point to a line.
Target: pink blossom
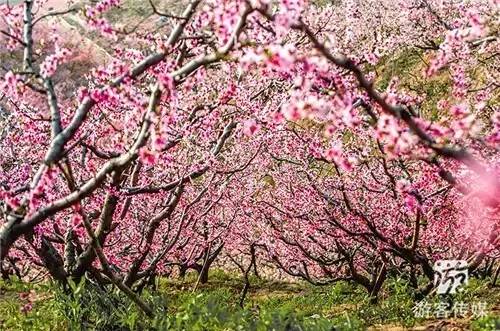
(459, 110)
(10, 83)
(147, 157)
(51, 62)
(251, 127)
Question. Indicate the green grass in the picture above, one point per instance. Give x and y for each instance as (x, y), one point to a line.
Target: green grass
(270, 305)
(408, 66)
(43, 316)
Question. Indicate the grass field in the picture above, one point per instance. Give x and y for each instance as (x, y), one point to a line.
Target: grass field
(271, 305)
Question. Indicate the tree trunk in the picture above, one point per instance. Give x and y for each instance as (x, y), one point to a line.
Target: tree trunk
(204, 274)
(245, 289)
(377, 285)
(495, 277)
